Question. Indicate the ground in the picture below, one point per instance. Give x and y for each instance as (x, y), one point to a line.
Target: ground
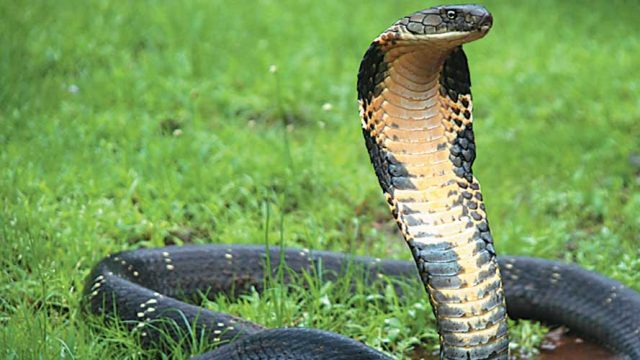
(147, 123)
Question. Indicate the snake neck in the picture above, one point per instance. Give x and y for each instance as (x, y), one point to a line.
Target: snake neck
(416, 112)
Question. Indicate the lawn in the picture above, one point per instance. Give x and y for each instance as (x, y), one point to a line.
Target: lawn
(141, 124)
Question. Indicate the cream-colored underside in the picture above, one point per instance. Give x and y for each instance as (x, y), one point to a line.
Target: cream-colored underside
(412, 124)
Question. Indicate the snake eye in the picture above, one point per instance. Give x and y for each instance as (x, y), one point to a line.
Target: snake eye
(451, 14)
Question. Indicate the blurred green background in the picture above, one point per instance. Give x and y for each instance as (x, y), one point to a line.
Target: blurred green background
(148, 123)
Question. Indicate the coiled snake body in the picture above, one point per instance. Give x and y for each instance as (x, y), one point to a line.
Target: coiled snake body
(416, 112)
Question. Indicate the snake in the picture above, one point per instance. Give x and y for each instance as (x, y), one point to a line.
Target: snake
(416, 112)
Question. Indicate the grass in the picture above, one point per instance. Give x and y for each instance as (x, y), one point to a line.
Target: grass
(127, 125)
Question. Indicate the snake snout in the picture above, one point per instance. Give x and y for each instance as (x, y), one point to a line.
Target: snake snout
(480, 17)
(485, 22)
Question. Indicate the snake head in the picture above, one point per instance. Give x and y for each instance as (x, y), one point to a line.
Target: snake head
(455, 24)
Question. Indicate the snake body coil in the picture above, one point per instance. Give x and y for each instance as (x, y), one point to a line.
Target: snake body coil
(416, 112)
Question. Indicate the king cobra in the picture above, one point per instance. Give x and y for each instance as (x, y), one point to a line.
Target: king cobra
(416, 111)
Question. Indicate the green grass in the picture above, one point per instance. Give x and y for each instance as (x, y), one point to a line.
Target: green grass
(123, 124)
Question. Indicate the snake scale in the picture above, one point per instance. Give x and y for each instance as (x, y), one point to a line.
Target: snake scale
(416, 111)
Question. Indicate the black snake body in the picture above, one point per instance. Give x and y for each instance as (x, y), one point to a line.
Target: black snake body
(595, 307)
(416, 111)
